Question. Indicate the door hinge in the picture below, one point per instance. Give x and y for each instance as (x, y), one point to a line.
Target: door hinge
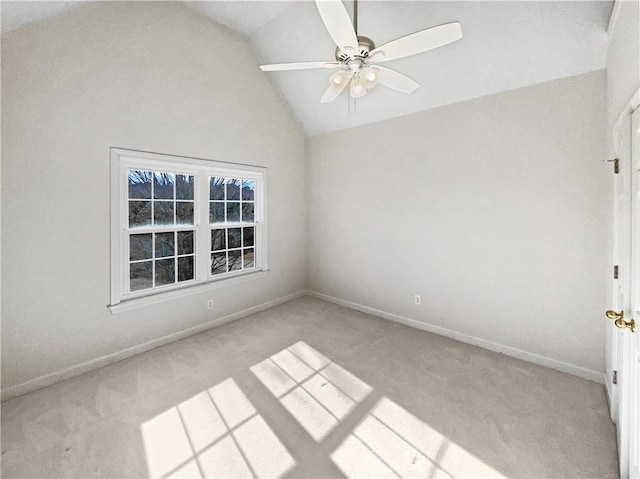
(616, 166)
(615, 272)
(614, 379)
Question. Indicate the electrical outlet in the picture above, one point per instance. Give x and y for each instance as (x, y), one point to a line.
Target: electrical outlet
(210, 304)
(417, 299)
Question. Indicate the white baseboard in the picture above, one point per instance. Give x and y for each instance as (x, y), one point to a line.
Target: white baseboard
(607, 393)
(483, 343)
(57, 376)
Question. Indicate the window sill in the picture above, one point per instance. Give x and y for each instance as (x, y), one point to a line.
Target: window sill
(141, 302)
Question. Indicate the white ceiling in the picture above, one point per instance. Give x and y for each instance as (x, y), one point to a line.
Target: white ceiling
(244, 17)
(17, 14)
(506, 45)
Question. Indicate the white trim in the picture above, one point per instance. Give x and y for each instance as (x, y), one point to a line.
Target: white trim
(116, 237)
(614, 17)
(608, 396)
(182, 160)
(261, 238)
(121, 160)
(634, 103)
(629, 107)
(161, 296)
(57, 376)
(483, 343)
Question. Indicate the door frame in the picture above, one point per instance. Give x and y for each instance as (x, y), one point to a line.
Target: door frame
(632, 371)
(618, 340)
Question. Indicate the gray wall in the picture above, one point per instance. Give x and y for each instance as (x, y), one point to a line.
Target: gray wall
(494, 210)
(147, 76)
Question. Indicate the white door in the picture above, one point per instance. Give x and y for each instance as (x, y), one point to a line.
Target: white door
(632, 372)
(625, 360)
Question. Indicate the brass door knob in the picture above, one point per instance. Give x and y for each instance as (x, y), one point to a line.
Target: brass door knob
(611, 314)
(619, 320)
(621, 323)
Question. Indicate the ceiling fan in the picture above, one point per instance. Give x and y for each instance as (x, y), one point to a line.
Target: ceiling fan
(357, 58)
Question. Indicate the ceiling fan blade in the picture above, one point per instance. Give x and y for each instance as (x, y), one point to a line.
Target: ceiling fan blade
(336, 19)
(396, 81)
(419, 42)
(334, 90)
(298, 66)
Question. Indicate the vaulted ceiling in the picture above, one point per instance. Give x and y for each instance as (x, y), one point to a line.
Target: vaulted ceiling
(506, 45)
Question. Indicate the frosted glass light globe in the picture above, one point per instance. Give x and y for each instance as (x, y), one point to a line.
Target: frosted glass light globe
(357, 89)
(370, 77)
(339, 78)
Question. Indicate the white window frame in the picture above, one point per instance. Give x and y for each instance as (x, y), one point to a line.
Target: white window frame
(123, 160)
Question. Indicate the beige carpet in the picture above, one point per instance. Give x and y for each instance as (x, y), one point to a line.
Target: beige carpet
(310, 389)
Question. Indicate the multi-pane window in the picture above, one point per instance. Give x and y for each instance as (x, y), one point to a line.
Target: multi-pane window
(232, 222)
(183, 222)
(161, 239)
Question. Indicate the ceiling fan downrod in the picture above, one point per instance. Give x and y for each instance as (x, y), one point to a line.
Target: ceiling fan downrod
(355, 16)
(357, 59)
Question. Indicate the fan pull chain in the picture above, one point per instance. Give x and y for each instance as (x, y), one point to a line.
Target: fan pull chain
(355, 108)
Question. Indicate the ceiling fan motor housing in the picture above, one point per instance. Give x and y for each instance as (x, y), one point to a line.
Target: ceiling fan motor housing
(357, 57)
(365, 45)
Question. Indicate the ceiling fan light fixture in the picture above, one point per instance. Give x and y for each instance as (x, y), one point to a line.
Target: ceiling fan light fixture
(357, 57)
(339, 78)
(357, 89)
(369, 77)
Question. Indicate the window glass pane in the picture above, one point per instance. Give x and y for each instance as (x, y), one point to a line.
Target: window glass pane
(165, 271)
(247, 236)
(235, 260)
(233, 189)
(139, 213)
(216, 188)
(233, 212)
(248, 258)
(165, 244)
(163, 186)
(139, 184)
(163, 212)
(248, 190)
(234, 237)
(161, 204)
(184, 212)
(184, 187)
(218, 263)
(140, 247)
(216, 212)
(247, 212)
(185, 242)
(140, 276)
(218, 240)
(185, 268)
